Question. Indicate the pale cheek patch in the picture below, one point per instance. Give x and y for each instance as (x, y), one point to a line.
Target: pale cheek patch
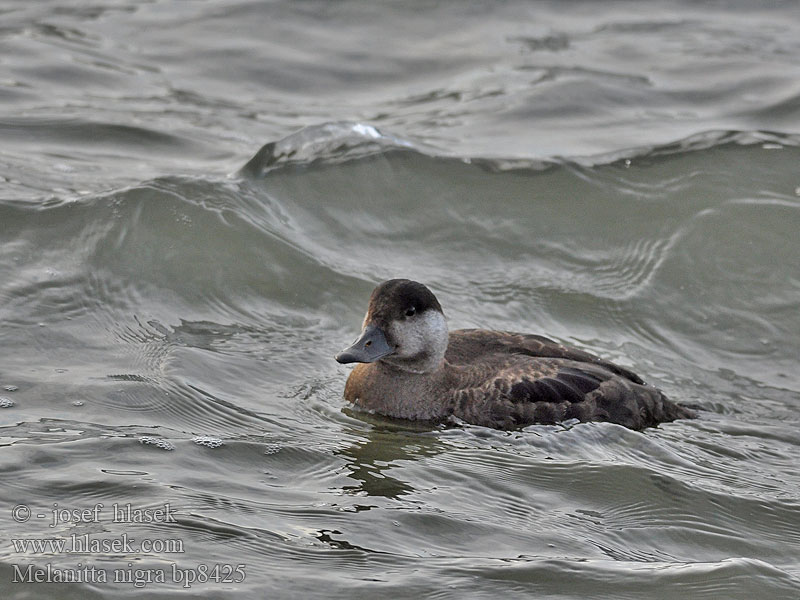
(421, 335)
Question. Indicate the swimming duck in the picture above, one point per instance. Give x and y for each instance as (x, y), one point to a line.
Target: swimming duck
(413, 368)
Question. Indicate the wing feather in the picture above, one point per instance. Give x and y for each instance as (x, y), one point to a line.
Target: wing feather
(468, 345)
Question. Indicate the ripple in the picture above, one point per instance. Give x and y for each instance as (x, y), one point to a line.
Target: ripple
(731, 578)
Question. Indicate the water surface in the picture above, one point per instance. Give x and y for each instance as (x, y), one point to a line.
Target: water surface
(197, 199)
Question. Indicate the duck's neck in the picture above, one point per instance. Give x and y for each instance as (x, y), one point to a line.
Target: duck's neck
(426, 364)
(401, 393)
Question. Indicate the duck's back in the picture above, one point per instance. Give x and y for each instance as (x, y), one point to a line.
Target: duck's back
(506, 380)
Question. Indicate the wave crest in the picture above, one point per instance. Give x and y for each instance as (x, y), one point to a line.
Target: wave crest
(330, 143)
(343, 141)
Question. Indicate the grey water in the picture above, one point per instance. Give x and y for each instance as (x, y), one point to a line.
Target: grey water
(196, 199)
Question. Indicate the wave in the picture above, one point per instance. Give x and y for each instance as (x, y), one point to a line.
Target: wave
(330, 143)
(238, 272)
(343, 141)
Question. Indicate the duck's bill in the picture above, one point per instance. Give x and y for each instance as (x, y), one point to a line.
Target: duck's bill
(369, 347)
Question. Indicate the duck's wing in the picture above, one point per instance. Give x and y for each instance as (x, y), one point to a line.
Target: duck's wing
(553, 390)
(469, 345)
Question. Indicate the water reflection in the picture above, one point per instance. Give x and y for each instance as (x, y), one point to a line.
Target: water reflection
(386, 445)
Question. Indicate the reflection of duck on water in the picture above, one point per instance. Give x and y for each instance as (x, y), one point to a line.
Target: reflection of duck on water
(376, 461)
(414, 369)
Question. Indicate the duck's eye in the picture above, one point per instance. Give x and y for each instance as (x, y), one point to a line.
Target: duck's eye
(410, 312)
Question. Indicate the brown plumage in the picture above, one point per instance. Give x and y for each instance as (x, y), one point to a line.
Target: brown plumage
(413, 369)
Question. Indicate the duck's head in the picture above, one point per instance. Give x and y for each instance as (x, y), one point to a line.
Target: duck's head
(404, 327)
